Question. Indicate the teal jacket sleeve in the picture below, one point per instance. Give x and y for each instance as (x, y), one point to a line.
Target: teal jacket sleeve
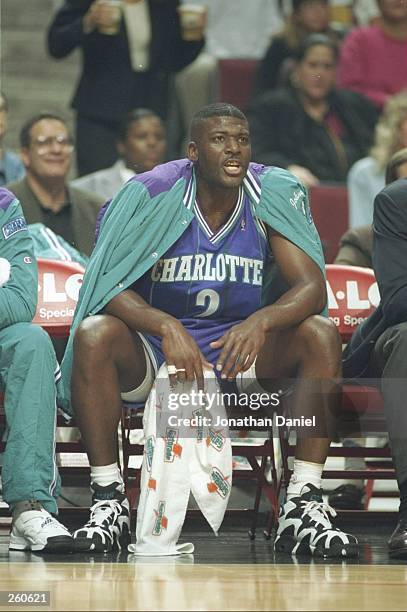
(18, 295)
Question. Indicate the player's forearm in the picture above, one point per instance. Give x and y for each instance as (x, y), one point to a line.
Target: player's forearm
(130, 308)
(300, 302)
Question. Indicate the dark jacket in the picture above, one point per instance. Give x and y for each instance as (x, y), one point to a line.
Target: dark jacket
(355, 247)
(390, 266)
(85, 209)
(284, 134)
(104, 90)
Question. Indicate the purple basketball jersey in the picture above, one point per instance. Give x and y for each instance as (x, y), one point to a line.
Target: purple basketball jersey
(210, 281)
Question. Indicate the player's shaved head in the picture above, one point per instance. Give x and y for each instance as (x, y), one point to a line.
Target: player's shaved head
(218, 109)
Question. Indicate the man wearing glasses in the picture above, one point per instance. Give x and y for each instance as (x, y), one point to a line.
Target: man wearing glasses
(45, 195)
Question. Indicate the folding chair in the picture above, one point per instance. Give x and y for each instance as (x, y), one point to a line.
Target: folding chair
(352, 296)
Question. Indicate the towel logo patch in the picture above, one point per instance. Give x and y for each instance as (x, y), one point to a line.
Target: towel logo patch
(12, 227)
(172, 448)
(219, 483)
(161, 521)
(149, 452)
(215, 439)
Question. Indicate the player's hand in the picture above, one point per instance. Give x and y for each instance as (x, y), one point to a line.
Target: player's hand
(240, 346)
(181, 351)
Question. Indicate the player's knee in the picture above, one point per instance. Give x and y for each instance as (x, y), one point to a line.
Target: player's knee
(320, 336)
(95, 335)
(33, 337)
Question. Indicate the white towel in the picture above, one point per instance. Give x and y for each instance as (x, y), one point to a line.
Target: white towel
(178, 460)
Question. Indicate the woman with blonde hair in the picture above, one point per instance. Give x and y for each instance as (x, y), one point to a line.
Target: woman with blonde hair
(367, 176)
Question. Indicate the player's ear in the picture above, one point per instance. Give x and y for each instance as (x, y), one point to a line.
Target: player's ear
(192, 151)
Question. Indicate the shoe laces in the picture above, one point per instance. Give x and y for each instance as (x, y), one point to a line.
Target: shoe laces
(318, 511)
(40, 520)
(104, 509)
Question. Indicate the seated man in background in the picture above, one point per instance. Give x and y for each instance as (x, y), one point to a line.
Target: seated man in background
(180, 275)
(45, 195)
(11, 166)
(28, 372)
(141, 145)
(309, 127)
(355, 249)
(378, 348)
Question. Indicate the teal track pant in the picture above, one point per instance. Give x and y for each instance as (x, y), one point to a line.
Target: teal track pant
(27, 375)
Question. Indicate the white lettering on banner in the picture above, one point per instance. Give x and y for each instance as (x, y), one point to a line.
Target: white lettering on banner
(47, 314)
(50, 295)
(353, 298)
(73, 285)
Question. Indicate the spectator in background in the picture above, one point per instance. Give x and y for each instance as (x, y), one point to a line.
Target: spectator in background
(356, 244)
(141, 145)
(374, 58)
(308, 17)
(309, 127)
(196, 85)
(11, 166)
(121, 71)
(366, 177)
(46, 151)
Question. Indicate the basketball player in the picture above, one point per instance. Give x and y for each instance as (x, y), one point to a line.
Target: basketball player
(180, 275)
(28, 368)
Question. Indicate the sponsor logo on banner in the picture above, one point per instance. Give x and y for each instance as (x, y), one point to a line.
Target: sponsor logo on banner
(161, 521)
(172, 448)
(215, 439)
(149, 451)
(16, 225)
(219, 483)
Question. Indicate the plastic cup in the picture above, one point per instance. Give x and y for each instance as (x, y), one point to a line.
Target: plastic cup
(116, 12)
(193, 21)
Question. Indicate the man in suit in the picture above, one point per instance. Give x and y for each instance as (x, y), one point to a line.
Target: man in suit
(378, 348)
(46, 197)
(141, 145)
(121, 71)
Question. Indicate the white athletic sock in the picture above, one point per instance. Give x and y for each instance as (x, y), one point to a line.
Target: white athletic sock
(305, 472)
(104, 475)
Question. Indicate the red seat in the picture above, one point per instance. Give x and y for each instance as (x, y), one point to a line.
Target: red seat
(235, 81)
(329, 205)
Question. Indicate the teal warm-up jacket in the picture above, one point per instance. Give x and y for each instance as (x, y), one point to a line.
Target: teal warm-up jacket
(153, 210)
(18, 296)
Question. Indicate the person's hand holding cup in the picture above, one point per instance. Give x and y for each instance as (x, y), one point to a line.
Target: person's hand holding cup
(105, 16)
(192, 20)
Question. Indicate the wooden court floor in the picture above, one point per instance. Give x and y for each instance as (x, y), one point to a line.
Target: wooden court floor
(179, 584)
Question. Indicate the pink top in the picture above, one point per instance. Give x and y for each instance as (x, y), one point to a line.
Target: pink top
(373, 64)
